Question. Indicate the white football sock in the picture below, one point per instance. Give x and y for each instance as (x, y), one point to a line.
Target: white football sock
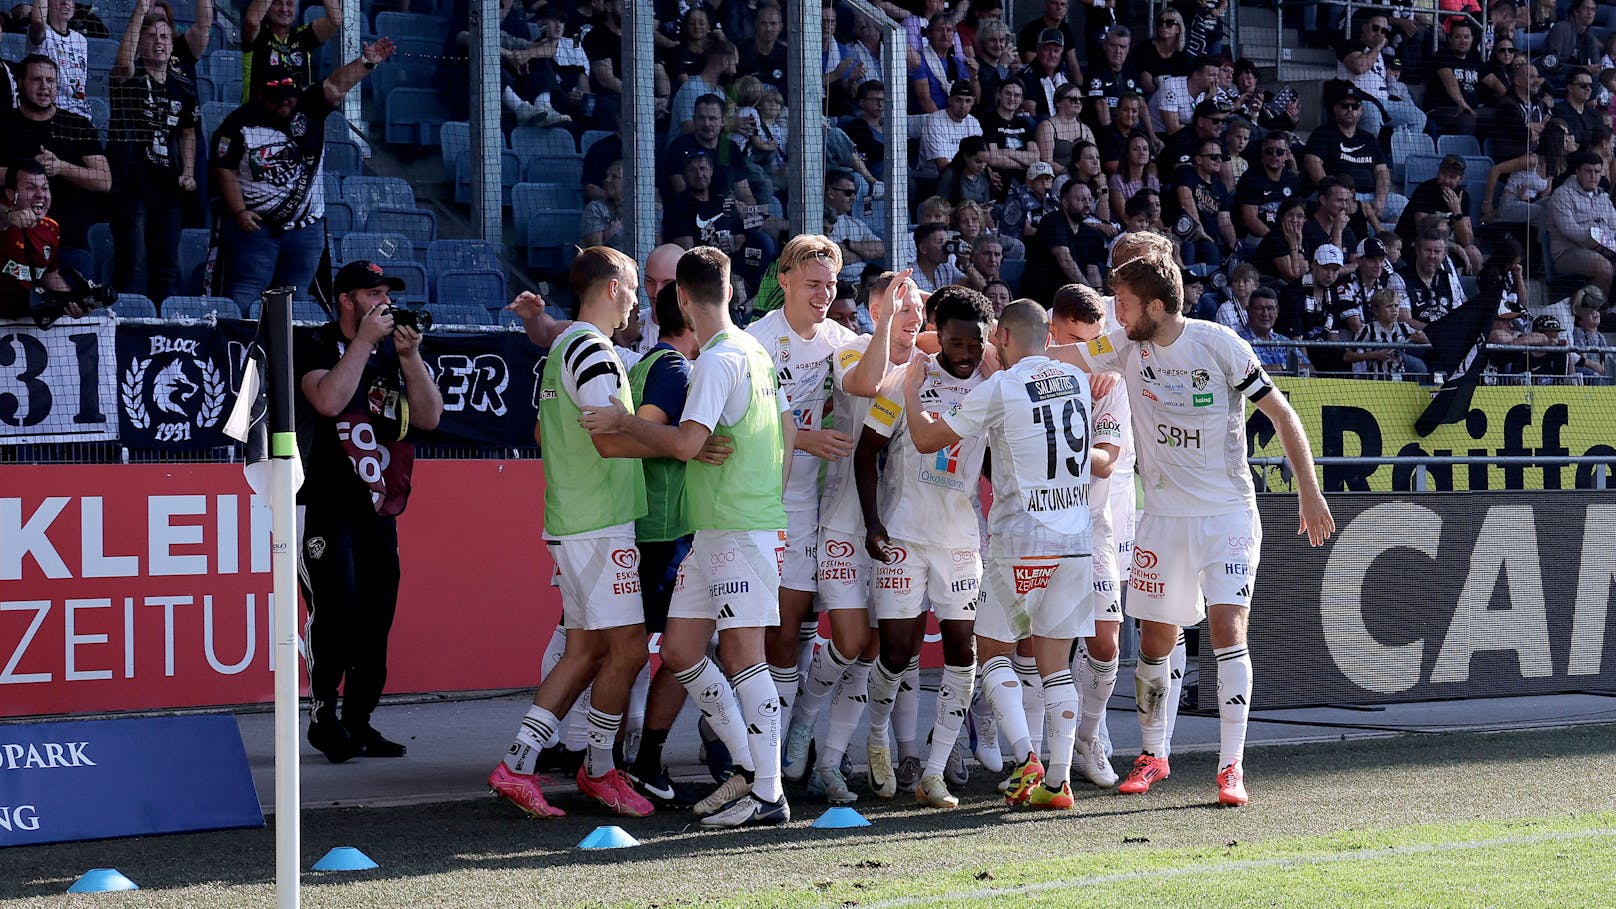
(1150, 685)
(1061, 709)
(953, 699)
(760, 708)
(1032, 699)
(846, 709)
(713, 695)
(1234, 702)
(536, 728)
(1004, 692)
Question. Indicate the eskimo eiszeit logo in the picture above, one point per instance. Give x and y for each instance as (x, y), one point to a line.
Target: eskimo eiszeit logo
(174, 391)
(625, 558)
(838, 549)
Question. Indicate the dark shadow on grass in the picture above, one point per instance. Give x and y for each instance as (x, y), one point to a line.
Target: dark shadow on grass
(489, 835)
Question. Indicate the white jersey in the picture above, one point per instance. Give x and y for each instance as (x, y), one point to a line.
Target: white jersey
(1111, 426)
(803, 367)
(1189, 415)
(838, 500)
(931, 493)
(721, 387)
(1036, 416)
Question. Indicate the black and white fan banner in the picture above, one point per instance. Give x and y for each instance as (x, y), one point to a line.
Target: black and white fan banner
(57, 384)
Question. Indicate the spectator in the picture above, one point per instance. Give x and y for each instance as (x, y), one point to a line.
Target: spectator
(602, 222)
(30, 242)
(977, 14)
(1172, 107)
(1433, 287)
(1550, 364)
(1259, 192)
(1332, 217)
(1344, 148)
(932, 268)
(1305, 312)
(1259, 332)
(1578, 110)
(271, 37)
(1384, 326)
(934, 208)
(1572, 44)
(1204, 34)
(1163, 55)
(1138, 172)
(68, 147)
(1444, 195)
(540, 73)
(266, 164)
(841, 154)
(1581, 223)
(943, 130)
(1594, 366)
(1045, 74)
(860, 246)
(1232, 312)
(600, 156)
(1129, 118)
(1236, 139)
(999, 295)
(768, 135)
(50, 36)
(1029, 202)
(1263, 107)
(1035, 35)
(1362, 61)
(1010, 135)
(1114, 77)
(152, 156)
(701, 216)
(866, 129)
(996, 60)
(1144, 213)
(603, 45)
(1206, 123)
(844, 66)
(844, 309)
(1068, 248)
(969, 221)
(1454, 88)
(982, 266)
(1057, 135)
(1202, 198)
(1531, 177)
(1495, 73)
(1086, 166)
(191, 44)
(718, 68)
(689, 55)
(1516, 121)
(1283, 253)
(1372, 274)
(940, 66)
(727, 160)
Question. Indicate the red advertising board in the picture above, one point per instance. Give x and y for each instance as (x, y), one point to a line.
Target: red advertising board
(131, 587)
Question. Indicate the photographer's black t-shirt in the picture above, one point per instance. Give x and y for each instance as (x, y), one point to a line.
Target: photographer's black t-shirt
(371, 423)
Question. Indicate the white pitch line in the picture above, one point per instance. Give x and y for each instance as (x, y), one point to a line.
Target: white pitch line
(955, 897)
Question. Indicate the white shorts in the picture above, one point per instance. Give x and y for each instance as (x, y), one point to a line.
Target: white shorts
(1046, 596)
(599, 581)
(731, 577)
(1179, 560)
(801, 563)
(844, 571)
(1107, 586)
(951, 578)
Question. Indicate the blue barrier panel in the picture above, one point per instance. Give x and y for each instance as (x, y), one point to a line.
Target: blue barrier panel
(96, 779)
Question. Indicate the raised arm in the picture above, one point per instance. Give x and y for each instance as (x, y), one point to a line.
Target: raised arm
(342, 81)
(326, 27)
(124, 66)
(196, 37)
(252, 21)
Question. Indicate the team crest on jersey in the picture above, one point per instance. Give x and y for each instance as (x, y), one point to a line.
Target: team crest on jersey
(1199, 378)
(299, 124)
(782, 350)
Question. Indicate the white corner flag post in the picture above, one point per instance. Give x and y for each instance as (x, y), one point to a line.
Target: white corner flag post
(277, 315)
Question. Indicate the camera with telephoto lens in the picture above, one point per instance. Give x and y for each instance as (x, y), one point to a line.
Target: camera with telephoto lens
(418, 319)
(48, 305)
(956, 246)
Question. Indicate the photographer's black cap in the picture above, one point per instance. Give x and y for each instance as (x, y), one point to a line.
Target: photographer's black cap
(363, 274)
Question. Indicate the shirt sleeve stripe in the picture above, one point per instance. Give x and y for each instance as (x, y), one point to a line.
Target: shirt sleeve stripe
(580, 349)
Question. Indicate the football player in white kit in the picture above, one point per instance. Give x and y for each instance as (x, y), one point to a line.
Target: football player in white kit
(844, 571)
(1200, 533)
(924, 540)
(801, 341)
(1078, 316)
(1038, 577)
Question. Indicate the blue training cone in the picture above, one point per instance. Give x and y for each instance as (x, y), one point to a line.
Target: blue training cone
(102, 880)
(838, 818)
(608, 838)
(345, 858)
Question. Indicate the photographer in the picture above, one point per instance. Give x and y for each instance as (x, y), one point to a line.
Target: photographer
(30, 241)
(364, 389)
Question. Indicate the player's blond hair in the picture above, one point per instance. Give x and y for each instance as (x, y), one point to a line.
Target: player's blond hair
(803, 247)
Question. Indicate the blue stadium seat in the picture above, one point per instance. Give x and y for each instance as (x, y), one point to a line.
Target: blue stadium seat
(1011, 271)
(383, 249)
(401, 72)
(551, 240)
(193, 256)
(414, 116)
(538, 196)
(221, 66)
(308, 311)
(313, 13)
(510, 174)
(102, 52)
(592, 136)
(419, 225)
(213, 113)
(443, 256)
(206, 89)
(366, 193)
(483, 287)
(461, 314)
(1417, 169)
(100, 239)
(14, 45)
(454, 138)
(417, 289)
(1457, 144)
(134, 306)
(182, 307)
(553, 169)
(528, 141)
(98, 82)
(398, 25)
(343, 158)
(1405, 144)
(339, 217)
(1477, 167)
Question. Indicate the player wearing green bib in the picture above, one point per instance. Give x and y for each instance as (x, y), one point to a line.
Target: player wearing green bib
(731, 579)
(591, 502)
